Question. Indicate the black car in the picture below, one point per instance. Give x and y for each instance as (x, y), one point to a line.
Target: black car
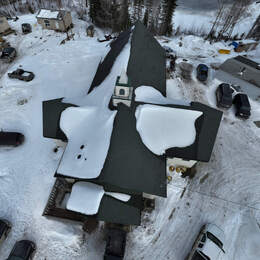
(8, 54)
(224, 95)
(243, 108)
(26, 28)
(115, 247)
(202, 72)
(5, 228)
(22, 250)
(22, 75)
(11, 138)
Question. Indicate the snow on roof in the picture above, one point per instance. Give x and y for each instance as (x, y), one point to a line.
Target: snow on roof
(85, 197)
(48, 14)
(162, 128)
(88, 130)
(123, 77)
(152, 95)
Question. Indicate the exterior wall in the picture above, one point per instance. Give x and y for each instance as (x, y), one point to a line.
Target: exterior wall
(4, 26)
(124, 101)
(178, 162)
(56, 24)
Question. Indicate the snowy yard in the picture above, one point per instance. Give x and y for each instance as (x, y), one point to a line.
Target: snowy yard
(224, 191)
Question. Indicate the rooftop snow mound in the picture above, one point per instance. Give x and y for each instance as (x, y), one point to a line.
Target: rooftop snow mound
(149, 94)
(162, 128)
(85, 197)
(88, 130)
(48, 14)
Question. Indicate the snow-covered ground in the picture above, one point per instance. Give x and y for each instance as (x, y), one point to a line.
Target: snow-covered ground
(224, 191)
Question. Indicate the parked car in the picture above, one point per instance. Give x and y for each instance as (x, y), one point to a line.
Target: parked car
(11, 138)
(5, 228)
(21, 74)
(22, 250)
(8, 54)
(243, 108)
(26, 28)
(202, 72)
(224, 95)
(115, 247)
(209, 244)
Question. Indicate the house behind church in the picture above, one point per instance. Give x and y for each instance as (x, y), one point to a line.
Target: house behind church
(55, 20)
(4, 26)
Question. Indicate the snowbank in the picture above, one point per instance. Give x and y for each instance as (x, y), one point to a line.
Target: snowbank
(162, 128)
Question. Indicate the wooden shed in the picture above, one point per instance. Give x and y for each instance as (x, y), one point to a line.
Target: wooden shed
(4, 26)
(55, 20)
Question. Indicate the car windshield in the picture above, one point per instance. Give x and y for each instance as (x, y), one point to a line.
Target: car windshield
(215, 240)
(199, 256)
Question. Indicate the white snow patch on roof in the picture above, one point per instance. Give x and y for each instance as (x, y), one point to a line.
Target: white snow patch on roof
(88, 130)
(152, 95)
(48, 14)
(162, 128)
(86, 197)
(101, 95)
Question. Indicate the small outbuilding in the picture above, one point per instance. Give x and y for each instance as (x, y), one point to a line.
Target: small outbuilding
(4, 26)
(55, 20)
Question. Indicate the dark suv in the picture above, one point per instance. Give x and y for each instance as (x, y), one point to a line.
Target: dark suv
(224, 95)
(22, 250)
(11, 138)
(243, 108)
(115, 248)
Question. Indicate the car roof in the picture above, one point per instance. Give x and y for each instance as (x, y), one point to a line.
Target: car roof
(226, 88)
(211, 250)
(243, 98)
(203, 66)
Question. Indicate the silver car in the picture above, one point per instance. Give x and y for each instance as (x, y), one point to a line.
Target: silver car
(209, 244)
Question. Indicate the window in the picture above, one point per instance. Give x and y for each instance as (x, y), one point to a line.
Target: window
(121, 92)
(47, 23)
(1, 21)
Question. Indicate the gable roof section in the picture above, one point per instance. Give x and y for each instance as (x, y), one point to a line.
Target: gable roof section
(105, 67)
(147, 63)
(52, 110)
(207, 128)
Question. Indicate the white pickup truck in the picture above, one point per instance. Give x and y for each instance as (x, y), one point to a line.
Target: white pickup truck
(209, 244)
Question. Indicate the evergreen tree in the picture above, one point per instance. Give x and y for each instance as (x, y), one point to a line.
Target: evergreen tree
(168, 9)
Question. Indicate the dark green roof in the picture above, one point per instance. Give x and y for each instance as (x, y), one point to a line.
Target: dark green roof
(130, 167)
(147, 62)
(52, 110)
(126, 213)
